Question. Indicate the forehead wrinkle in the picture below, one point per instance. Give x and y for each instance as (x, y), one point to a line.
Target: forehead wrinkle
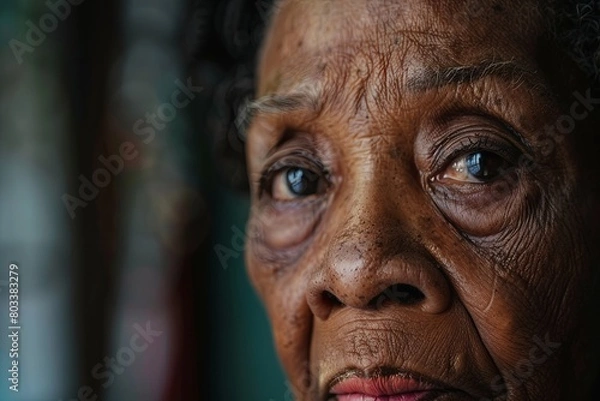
(339, 74)
(393, 72)
(357, 84)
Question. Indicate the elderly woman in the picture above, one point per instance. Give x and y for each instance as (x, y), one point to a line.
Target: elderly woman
(425, 207)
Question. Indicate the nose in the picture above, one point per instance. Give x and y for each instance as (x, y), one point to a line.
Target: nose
(369, 266)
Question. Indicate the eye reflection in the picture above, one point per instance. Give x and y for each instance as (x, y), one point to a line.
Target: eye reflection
(295, 182)
(476, 167)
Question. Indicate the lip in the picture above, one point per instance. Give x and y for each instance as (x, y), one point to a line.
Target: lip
(387, 384)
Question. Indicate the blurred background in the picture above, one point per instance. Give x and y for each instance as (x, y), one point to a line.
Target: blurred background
(123, 201)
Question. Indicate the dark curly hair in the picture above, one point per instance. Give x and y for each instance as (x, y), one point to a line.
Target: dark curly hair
(575, 24)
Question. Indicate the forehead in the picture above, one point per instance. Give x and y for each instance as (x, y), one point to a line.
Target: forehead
(392, 36)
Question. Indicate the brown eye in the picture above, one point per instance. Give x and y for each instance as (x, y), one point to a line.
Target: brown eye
(295, 182)
(476, 167)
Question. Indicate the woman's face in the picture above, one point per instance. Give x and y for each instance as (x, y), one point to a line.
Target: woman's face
(418, 226)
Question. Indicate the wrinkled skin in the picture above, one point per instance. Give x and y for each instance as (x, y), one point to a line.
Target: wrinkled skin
(396, 259)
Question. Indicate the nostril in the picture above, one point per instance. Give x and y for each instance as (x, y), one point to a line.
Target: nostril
(330, 299)
(322, 302)
(404, 294)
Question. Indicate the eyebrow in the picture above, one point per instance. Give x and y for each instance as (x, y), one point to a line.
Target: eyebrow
(428, 78)
(424, 79)
(275, 104)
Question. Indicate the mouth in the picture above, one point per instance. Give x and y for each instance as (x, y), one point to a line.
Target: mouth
(384, 385)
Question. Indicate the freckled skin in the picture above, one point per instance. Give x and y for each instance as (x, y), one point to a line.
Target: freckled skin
(497, 269)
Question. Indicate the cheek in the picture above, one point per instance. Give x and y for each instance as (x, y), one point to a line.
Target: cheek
(525, 347)
(283, 292)
(292, 326)
(531, 315)
(522, 289)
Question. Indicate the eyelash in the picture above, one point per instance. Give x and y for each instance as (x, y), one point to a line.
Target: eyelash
(482, 143)
(299, 159)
